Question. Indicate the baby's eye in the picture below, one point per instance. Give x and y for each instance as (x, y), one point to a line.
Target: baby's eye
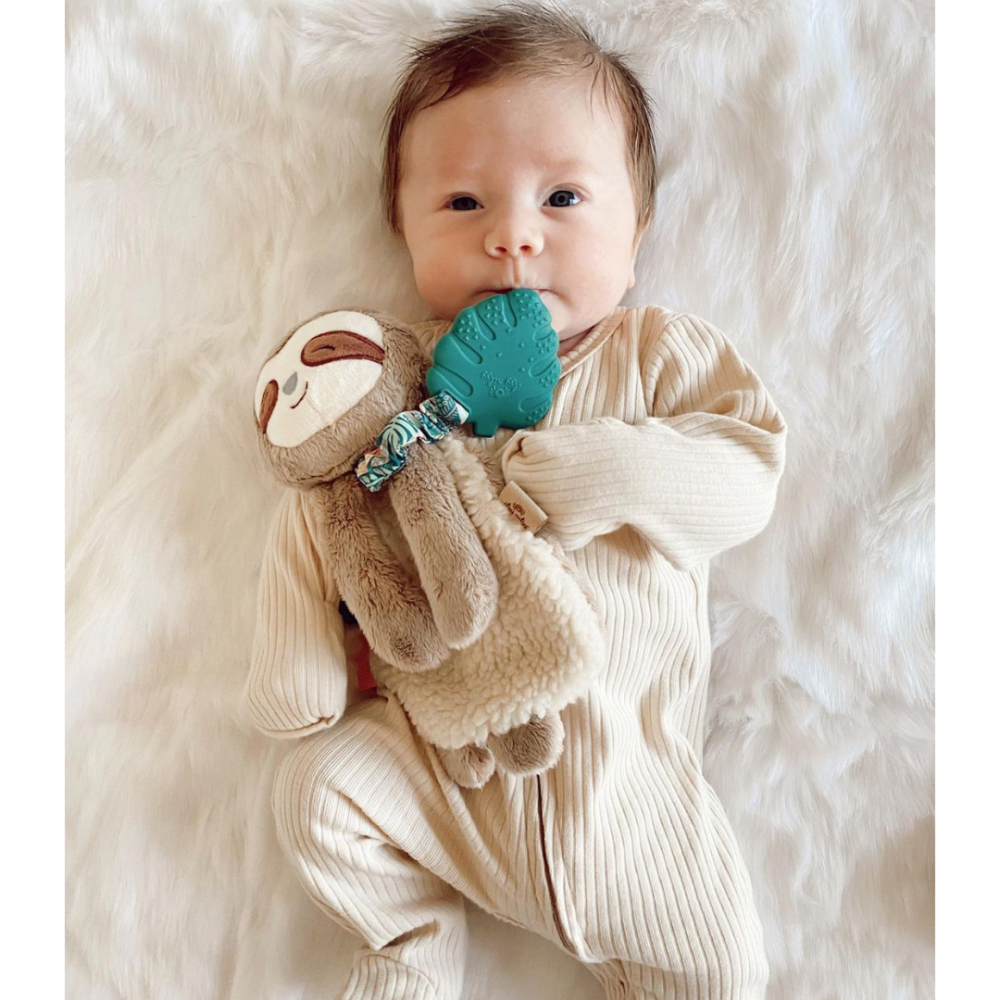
(561, 199)
(561, 196)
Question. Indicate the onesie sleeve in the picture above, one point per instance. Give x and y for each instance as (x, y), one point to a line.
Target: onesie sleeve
(298, 672)
(696, 477)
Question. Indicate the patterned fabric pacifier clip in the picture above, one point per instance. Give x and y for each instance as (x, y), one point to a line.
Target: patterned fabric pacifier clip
(431, 421)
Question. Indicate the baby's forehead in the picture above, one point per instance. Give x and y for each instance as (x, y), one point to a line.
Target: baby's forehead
(581, 148)
(567, 97)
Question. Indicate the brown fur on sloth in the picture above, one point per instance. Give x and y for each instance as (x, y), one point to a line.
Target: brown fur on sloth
(409, 623)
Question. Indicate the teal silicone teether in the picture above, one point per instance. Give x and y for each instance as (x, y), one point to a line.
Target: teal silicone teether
(499, 360)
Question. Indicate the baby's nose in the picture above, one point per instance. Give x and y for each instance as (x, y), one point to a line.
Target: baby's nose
(524, 248)
(513, 248)
(289, 387)
(513, 237)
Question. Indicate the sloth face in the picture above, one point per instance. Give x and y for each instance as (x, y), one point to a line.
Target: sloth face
(319, 374)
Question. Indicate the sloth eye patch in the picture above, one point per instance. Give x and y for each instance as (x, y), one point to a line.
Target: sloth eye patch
(269, 400)
(340, 345)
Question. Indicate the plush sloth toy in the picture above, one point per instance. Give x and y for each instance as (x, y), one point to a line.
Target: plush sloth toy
(474, 624)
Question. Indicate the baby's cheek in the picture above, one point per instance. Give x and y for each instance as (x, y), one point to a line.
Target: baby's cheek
(432, 282)
(443, 282)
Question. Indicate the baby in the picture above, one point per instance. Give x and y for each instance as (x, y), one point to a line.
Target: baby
(536, 168)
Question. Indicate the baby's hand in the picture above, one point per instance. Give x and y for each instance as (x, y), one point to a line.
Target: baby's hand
(532, 461)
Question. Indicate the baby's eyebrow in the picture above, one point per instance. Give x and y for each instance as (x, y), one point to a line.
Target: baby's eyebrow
(447, 171)
(572, 163)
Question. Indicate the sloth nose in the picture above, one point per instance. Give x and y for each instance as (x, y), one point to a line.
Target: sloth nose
(289, 387)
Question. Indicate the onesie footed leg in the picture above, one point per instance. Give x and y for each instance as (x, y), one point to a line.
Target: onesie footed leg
(376, 975)
(531, 748)
(629, 981)
(412, 923)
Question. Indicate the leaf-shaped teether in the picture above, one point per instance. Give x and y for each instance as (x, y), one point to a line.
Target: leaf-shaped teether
(499, 359)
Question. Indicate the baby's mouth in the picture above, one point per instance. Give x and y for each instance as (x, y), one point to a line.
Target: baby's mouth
(303, 396)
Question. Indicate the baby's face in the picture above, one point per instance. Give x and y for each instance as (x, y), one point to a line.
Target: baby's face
(520, 184)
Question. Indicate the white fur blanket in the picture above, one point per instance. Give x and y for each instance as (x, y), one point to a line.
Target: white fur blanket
(222, 180)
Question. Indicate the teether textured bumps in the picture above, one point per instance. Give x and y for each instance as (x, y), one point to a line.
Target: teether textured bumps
(499, 360)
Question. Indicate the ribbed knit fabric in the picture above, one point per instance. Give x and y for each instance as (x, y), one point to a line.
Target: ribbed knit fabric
(661, 449)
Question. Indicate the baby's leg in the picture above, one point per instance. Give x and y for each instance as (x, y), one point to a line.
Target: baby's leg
(623, 980)
(671, 915)
(386, 844)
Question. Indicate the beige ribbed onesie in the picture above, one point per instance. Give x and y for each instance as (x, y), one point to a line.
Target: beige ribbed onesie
(661, 449)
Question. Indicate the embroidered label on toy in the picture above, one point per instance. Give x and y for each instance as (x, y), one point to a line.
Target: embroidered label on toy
(528, 514)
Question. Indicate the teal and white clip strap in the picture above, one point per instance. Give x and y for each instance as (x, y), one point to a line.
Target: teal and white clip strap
(434, 418)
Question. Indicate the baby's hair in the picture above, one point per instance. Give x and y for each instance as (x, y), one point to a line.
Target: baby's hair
(517, 41)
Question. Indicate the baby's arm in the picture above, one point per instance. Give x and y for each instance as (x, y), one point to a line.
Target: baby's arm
(696, 478)
(298, 674)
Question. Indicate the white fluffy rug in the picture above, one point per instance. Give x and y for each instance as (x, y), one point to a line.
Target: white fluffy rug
(222, 182)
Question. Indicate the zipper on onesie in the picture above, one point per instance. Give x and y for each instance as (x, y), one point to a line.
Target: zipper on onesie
(557, 918)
